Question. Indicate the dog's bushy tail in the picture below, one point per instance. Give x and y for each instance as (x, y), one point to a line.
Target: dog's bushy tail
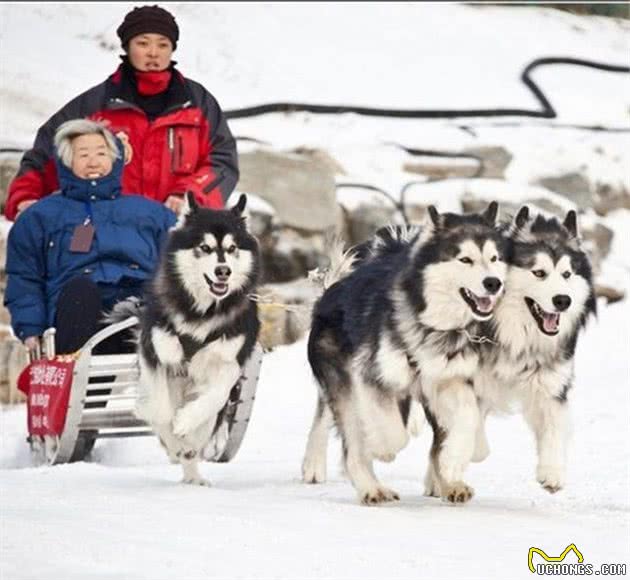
(132, 306)
(386, 241)
(342, 264)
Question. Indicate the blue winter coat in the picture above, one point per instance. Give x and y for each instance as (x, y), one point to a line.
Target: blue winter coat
(129, 232)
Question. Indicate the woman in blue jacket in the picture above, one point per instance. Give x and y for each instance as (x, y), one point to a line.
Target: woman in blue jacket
(76, 253)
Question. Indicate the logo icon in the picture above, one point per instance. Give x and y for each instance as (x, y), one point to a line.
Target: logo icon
(553, 559)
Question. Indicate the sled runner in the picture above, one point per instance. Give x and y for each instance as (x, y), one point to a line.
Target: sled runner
(72, 400)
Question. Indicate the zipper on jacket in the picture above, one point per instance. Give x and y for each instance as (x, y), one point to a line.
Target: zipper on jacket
(180, 153)
(118, 103)
(171, 146)
(175, 108)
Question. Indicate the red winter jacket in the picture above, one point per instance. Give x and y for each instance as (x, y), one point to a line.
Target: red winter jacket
(188, 147)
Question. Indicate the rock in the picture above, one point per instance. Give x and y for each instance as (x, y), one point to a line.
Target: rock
(5, 317)
(4, 236)
(609, 198)
(508, 210)
(4, 232)
(9, 164)
(13, 359)
(611, 294)
(285, 311)
(323, 157)
(494, 160)
(365, 219)
(416, 213)
(444, 169)
(288, 254)
(597, 239)
(573, 186)
(299, 186)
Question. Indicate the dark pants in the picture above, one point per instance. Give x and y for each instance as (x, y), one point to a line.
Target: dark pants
(80, 308)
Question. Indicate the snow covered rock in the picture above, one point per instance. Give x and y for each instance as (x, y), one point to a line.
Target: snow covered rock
(494, 160)
(300, 186)
(8, 168)
(13, 359)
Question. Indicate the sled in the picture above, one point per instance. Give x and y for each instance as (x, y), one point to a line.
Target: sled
(72, 400)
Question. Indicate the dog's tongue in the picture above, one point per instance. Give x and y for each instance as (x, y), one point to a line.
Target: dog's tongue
(551, 321)
(484, 304)
(219, 287)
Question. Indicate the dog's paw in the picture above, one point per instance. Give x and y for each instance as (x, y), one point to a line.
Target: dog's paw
(457, 492)
(378, 495)
(313, 471)
(197, 480)
(550, 477)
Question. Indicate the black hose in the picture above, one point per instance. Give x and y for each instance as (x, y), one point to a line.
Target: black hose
(400, 207)
(446, 154)
(545, 112)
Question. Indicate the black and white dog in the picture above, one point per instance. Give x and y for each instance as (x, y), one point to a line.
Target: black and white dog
(197, 329)
(402, 326)
(529, 363)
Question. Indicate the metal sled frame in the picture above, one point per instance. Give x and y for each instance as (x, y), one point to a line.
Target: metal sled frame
(116, 418)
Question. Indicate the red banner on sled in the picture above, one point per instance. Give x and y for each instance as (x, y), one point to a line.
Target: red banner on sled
(46, 384)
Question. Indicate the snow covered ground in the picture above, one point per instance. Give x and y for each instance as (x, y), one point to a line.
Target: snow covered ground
(124, 515)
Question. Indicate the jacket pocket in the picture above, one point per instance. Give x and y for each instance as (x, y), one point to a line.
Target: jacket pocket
(183, 146)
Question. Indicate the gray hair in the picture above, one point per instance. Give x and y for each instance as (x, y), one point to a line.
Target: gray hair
(70, 130)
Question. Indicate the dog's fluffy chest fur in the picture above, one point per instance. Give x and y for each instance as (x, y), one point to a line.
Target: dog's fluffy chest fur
(221, 351)
(506, 382)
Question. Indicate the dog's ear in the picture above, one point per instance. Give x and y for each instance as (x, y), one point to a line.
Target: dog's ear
(190, 204)
(239, 208)
(521, 217)
(188, 208)
(436, 220)
(570, 222)
(490, 215)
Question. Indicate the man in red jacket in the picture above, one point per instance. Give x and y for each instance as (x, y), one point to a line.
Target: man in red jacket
(175, 132)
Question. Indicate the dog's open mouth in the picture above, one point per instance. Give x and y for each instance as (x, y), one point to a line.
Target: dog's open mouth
(481, 306)
(548, 322)
(217, 288)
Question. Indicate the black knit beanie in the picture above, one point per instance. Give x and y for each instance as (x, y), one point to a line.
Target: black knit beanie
(148, 19)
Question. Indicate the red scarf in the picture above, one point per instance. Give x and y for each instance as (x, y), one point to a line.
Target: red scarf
(151, 83)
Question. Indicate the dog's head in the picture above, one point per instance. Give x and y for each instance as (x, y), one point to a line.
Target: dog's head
(549, 278)
(212, 253)
(460, 259)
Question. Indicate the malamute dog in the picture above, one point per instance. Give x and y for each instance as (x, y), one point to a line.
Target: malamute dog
(548, 297)
(197, 329)
(402, 326)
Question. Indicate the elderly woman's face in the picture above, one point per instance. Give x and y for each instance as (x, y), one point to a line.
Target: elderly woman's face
(91, 158)
(150, 52)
